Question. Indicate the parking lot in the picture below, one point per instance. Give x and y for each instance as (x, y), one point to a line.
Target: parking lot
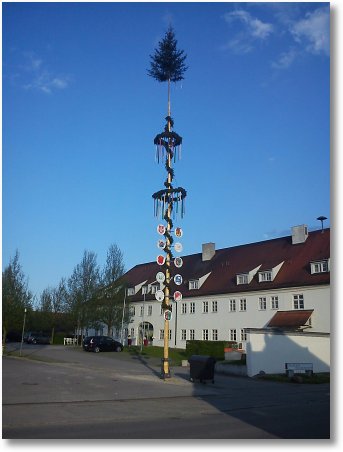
(63, 392)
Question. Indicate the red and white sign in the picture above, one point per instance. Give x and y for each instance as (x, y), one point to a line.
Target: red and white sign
(160, 259)
(177, 296)
(161, 229)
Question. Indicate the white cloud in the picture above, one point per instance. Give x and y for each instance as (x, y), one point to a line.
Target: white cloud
(285, 59)
(314, 31)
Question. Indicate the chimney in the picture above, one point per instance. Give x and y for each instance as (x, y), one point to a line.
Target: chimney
(208, 251)
(299, 234)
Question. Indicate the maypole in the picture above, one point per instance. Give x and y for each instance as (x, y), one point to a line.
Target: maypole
(168, 65)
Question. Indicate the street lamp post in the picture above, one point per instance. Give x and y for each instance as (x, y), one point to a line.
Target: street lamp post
(22, 334)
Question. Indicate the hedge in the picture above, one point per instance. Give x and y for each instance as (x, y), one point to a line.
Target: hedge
(210, 348)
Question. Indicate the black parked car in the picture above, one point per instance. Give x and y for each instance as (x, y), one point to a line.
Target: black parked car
(37, 338)
(101, 344)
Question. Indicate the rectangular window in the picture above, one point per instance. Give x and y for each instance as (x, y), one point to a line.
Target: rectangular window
(205, 307)
(154, 288)
(243, 304)
(183, 335)
(142, 311)
(150, 309)
(214, 335)
(192, 307)
(265, 276)
(320, 266)
(161, 334)
(298, 301)
(130, 291)
(243, 278)
(126, 332)
(214, 306)
(191, 335)
(144, 290)
(205, 335)
(184, 308)
(233, 335)
(170, 334)
(233, 305)
(132, 332)
(262, 303)
(274, 302)
(133, 310)
(243, 334)
(193, 284)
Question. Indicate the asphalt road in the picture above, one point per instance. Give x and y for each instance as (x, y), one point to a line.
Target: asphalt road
(55, 392)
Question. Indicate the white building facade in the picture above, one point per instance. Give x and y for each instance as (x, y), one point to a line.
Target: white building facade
(227, 291)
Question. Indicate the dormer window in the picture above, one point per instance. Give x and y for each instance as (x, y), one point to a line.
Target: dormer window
(265, 276)
(145, 290)
(193, 284)
(130, 291)
(320, 266)
(154, 288)
(243, 278)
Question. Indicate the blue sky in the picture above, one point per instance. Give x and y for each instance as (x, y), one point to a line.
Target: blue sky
(80, 115)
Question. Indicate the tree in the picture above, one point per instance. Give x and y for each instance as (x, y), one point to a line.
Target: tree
(82, 286)
(109, 300)
(52, 304)
(16, 297)
(168, 63)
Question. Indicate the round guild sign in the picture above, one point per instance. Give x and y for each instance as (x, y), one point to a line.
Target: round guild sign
(159, 295)
(177, 296)
(161, 244)
(178, 232)
(178, 247)
(178, 262)
(160, 259)
(160, 277)
(178, 280)
(161, 229)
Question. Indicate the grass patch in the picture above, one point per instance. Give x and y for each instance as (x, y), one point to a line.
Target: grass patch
(176, 355)
(318, 378)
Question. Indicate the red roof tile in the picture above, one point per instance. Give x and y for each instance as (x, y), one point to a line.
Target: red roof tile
(290, 319)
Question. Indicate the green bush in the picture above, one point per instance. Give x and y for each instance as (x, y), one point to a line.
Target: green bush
(210, 348)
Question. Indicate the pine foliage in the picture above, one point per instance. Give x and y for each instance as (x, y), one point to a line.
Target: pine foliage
(168, 63)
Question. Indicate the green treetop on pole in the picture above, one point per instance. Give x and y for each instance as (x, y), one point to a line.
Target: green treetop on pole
(168, 63)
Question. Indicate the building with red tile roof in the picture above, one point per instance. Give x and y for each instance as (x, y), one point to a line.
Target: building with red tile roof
(278, 283)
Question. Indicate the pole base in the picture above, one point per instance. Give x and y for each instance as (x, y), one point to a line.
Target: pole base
(165, 369)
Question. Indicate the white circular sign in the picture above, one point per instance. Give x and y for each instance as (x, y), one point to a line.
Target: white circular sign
(177, 296)
(160, 277)
(178, 247)
(161, 229)
(178, 262)
(159, 295)
(178, 280)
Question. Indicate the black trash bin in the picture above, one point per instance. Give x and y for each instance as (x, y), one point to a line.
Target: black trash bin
(201, 367)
